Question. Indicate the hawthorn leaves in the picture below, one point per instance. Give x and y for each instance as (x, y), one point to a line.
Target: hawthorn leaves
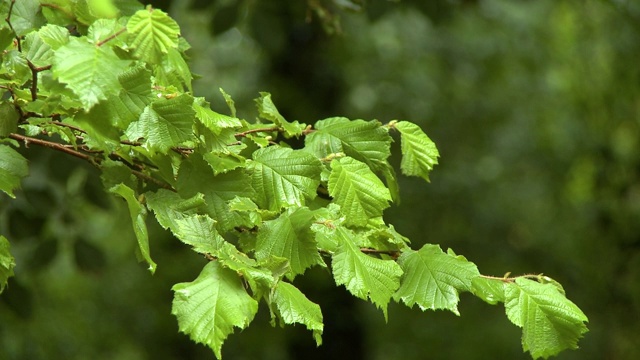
(118, 94)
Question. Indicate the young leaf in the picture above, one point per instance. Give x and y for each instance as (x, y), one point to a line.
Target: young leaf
(200, 232)
(211, 119)
(13, 167)
(54, 36)
(267, 110)
(359, 192)
(294, 307)
(550, 322)
(169, 207)
(419, 153)
(195, 176)
(290, 236)
(138, 215)
(364, 141)
(283, 177)
(134, 96)
(152, 34)
(7, 263)
(90, 71)
(210, 306)
(489, 290)
(164, 124)
(433, 279)
(364, 276)
(26, 16)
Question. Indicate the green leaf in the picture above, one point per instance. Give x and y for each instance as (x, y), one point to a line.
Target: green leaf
(195, 176)
(364, 276)
(174, 70)
(211, 119)
(26, 16)
(200, 232)
(55, 36)
(359, 192)
(283, 177)
(268, 111)
(108, 29)
(13, 167)
(169, 207)
(230, 103)
(152, 34)
(210, 306)
(433, 279)
(290, 236)
(550, 322)
(9, 117)
(294, 307)
(164, 124)
(138, 215)
(419, 153)
(365, 141)
(90, 71)
(7, 262)
(489, 290)
(134, 96)
(36, 50)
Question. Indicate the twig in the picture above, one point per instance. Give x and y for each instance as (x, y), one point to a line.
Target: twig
(266, 129)
(145, 177)
(34, 78)
(53, 145)
(111, 37)
(8, 20)
(69, 126)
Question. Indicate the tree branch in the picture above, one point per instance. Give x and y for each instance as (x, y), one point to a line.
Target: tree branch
(8, 20)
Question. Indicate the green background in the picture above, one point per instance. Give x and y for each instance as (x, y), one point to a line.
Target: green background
(534, 106)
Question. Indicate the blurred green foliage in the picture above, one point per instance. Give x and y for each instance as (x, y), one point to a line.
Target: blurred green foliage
(534, 105)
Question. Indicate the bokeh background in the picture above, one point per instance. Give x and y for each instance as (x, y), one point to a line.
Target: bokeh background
(534, 105)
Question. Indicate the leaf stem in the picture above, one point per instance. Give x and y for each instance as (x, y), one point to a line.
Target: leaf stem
(265, 129)
(8, 20)
(111, 37)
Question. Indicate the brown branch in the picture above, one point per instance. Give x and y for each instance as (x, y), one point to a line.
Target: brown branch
(53, 145)
(393, 253)
(111, 37)
(91, 159)
(266, 129)
(8, 20)
(69, 126)
(34, 78)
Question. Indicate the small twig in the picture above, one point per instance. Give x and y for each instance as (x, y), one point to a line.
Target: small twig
(8, 20)
(111, 37)
(53, 145)
(266, 129)
(69, 126)
(393, 253)
(145, 177)
(34, 78)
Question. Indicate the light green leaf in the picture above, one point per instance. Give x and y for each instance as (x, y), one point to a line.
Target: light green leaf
(138, 216)
(365, 141)
(26, 16)
(169, 207)
(108, 29)
(290, 236)
(294, 307)
(419, 153)
(174, 70)
(283, 177)
(550, 322)
(13, 167)
(488, 289)
(258, 276)
(211, 119)
(164, 124)
(230, 103)
(90, 71)
(268, 111)
(9, 117)
(433, 279)
(7, 262)
(359, 192)
(195, 176)
(36, 50)
(55, 36)
(200, 232)
(152, 34)
(364, 276)
(134, 96)
(209, 307)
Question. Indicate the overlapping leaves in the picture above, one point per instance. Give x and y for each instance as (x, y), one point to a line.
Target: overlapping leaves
(233, 191)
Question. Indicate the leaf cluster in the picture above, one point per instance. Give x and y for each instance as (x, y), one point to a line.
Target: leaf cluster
(108, 82)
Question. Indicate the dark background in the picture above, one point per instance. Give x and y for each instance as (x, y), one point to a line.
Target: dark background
(534, 106)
